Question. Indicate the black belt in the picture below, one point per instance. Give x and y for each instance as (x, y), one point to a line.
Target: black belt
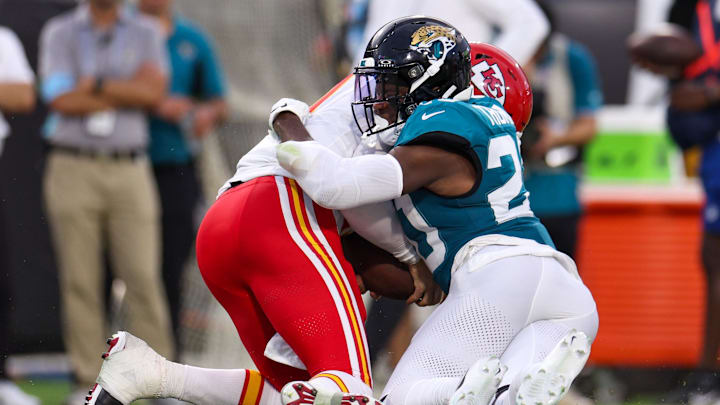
(99, 154)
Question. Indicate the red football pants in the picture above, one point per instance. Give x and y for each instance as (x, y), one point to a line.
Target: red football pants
(273, 259)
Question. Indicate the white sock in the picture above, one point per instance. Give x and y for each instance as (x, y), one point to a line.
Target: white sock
(217, 386)
(339, 381)
(434, 391)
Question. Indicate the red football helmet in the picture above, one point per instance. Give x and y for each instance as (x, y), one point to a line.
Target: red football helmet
(496, 74)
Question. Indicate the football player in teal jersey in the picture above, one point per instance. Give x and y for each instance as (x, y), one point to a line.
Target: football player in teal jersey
(517, 323)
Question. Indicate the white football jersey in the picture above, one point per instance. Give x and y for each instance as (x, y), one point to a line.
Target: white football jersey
(330, 122)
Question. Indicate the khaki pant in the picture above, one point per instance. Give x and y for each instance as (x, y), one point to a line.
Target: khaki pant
(91, 201)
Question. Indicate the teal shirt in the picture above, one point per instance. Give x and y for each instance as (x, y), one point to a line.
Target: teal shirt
(555, 190)
(195, 73)
(498, 203)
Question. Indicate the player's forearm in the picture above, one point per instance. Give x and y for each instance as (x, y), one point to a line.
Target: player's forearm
(289, 127)
(287, 118)
(378, 224)
(341, 183)
(17, 97)
(78, 102)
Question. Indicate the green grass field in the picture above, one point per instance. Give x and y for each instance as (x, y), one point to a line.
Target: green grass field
(52, 391)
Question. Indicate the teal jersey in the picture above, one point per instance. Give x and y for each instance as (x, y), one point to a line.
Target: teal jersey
(483, 132)
(195, 73)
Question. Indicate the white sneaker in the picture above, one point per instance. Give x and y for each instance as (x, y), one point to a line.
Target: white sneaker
(546, 382)
(480, 382)
(303, 393)
(131, 370)
(11, 394)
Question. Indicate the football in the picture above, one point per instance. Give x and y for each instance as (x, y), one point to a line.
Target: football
(380, 271)
(669, 44)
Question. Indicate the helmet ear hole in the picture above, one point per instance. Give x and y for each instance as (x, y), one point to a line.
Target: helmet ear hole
(415, 72)
(410, 109)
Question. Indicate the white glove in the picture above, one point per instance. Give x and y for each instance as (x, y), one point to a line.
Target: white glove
(296, 107)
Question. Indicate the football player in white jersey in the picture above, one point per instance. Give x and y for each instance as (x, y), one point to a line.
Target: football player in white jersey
(265, 238)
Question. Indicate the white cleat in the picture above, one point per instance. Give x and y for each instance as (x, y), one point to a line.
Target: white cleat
(546, 383)
(480, 382)
(303, 393)
(131, 370)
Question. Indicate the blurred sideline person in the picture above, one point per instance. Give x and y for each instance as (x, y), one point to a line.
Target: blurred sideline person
(693, 119)
(16, 81)
(101, 68)
(17, 95)
(567, 96)
(192, 108)
(518, 322)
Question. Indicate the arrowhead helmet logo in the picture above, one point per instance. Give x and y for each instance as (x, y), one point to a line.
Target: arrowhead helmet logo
(489, 80)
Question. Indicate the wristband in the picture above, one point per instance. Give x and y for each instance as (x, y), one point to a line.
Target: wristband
(409, 256)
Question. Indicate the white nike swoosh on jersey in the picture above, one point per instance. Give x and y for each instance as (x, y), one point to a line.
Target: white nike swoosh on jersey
(426, 115)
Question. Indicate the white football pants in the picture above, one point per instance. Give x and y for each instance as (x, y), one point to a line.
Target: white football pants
(517, 308)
